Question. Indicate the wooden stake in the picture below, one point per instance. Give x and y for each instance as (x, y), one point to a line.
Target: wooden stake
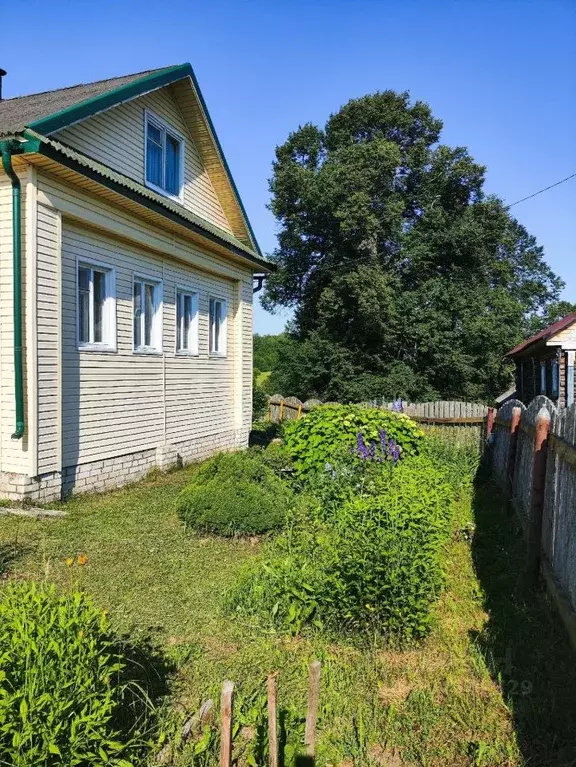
(272, 731)
(312, 714)
(226, 724)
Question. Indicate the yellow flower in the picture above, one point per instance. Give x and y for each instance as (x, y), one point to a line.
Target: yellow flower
(82, 559)
(69, 561)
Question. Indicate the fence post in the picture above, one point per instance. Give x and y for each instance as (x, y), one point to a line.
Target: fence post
(490, 421)
(512, 445)
(312, 713)
(226, 724)
(537, 495)
(272, 727)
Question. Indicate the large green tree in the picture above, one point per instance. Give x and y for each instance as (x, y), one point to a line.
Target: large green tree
(405, 277)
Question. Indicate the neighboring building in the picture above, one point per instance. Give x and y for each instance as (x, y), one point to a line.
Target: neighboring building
(137, 264)
(545, 363)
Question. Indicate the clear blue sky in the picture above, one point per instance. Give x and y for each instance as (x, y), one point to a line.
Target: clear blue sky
(501, 74)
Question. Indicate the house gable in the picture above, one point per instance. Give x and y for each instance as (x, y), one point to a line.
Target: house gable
(42, 116)
(116, 138)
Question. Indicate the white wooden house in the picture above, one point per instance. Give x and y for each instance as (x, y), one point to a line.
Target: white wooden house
(126, 273)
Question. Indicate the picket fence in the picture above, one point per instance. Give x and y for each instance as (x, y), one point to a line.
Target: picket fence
(467, 422)
(534, 459)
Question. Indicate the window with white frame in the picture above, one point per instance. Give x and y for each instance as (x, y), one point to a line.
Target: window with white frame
(96, 307)
(217, 326)
(186, 322)
(147, 315)
(164, 157)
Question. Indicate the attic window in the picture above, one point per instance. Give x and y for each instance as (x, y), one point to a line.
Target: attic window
(164, 157)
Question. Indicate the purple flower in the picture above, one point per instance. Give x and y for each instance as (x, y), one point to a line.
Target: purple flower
(398, 405)
(372, 450)
(383, 441)
(361, 446)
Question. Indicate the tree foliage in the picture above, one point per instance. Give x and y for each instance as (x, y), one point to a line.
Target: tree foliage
(405, 277)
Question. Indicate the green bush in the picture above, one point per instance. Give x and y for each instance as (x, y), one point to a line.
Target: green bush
(373, 563)
(235, 494)
(314, 440)
(60, 681)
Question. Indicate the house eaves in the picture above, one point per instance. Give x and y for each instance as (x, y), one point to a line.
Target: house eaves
(76, 161)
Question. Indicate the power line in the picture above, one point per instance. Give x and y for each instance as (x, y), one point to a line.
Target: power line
(546, 188)
(355, 260)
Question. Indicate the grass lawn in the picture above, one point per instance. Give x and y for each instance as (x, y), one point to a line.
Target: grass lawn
(494, 684)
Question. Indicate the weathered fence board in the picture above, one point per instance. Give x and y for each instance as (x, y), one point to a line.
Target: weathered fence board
(559, 517)
(545, 505)
(502, 440)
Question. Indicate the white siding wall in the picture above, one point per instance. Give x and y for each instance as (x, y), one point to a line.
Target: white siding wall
(14, 454)
(48, 323)
(123, 402)
(116, 138)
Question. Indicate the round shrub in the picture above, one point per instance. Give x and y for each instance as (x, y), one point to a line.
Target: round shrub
(327, 430)
(235, 494)
(374, 563)
(60, 681)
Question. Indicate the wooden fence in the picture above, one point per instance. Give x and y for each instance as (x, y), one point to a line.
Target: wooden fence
(196, 725)
(467, 422)
(534, 458)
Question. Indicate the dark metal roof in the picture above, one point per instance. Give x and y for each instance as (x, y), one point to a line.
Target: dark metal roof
(544, 334)
(19, 112)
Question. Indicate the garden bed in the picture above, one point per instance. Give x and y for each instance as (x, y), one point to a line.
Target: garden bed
(485, 687)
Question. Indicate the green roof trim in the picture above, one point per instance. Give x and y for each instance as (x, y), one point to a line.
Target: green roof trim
(116, 96)
(136, 192)
(112, 98)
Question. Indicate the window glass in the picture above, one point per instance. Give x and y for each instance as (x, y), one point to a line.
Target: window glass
(96, 319)
(84, 305)
(99, 298)
(187, 322)
(147, 330)
(148, 313)
(154, 155)
(163, 157)
(172, 165)
(137, 314)
(217, 330)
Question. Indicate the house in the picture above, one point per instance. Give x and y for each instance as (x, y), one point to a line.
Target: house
(126, 273)
(545, 363)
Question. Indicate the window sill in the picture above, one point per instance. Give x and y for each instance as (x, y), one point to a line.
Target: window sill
(102, 348)
(158, 189)
(186, 353)
(149, 352)
(218, 355)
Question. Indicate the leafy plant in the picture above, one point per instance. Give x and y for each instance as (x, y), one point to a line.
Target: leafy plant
(235, 493)
(314, 440)
(61, 688)
(372, 563)
(458, 461)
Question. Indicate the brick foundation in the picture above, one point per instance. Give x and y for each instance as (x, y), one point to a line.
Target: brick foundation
(111, 473)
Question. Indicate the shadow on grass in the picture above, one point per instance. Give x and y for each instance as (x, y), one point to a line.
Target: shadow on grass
(263, 432)
(524, 644)
(146, 684)
(10, 553)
